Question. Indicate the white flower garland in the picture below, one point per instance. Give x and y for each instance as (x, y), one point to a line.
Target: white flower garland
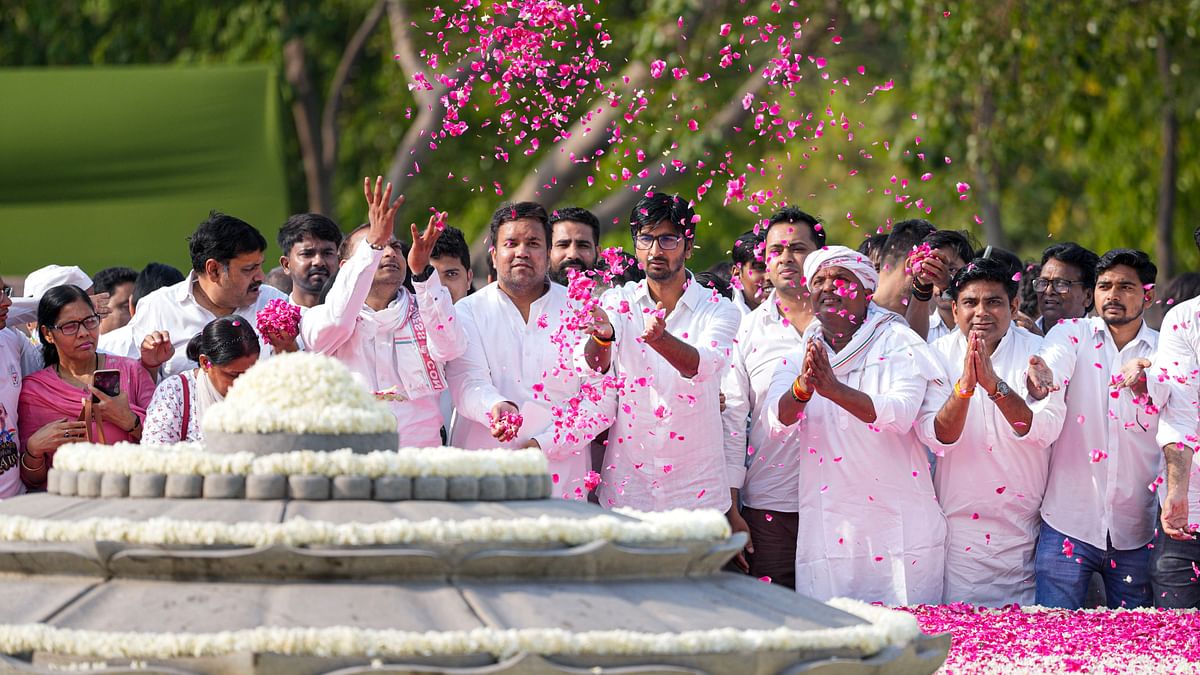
(885, 627)
(300, 393)
(191, 459)
(704, 525)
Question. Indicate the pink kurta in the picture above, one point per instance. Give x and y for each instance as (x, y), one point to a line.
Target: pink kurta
(46, 398)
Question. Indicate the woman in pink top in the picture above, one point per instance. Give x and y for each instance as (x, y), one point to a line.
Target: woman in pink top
(58, 404)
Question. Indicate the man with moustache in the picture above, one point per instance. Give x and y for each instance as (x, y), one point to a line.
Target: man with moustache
(761, 467)
(397, 340)
(574, 242)
(226, 278)
(512, 364)
(669, 338)
(1099, 511)
(857, 390)
(1064, 285)
(748, 276)
(309, 242)
(451, 257)
(992, 445)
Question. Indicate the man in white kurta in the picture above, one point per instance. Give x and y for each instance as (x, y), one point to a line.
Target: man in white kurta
(990, 479)
(1174, 378)
(396, 342)
(512, 357)
(1099, 509)
(871, 527)
(669, 338)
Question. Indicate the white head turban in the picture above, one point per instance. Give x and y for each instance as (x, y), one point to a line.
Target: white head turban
(840, 256)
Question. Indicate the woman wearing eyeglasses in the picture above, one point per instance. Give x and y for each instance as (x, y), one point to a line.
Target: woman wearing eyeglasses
(58, 404)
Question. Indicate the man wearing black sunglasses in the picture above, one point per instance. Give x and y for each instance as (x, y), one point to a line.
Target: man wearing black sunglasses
(671, 339)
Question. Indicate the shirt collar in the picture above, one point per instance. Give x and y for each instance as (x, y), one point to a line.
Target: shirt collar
(693, 293)
(182, 291)
(1144, 334)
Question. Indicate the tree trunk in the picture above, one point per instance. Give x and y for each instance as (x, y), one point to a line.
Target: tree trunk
(1164, 238)
(305, 116)
(987, 174)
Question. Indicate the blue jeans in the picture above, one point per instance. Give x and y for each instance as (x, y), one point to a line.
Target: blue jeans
(1062, 581)
(1173, 574)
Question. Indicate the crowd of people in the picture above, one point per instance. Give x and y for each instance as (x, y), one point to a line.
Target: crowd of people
(914, 420)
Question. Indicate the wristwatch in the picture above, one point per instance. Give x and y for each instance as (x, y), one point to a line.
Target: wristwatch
(424, 275)
(1002, 390)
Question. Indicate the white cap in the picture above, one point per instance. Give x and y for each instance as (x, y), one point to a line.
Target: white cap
(41, 280)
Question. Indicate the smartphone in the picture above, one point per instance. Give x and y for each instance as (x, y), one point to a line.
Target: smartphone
(108, 381)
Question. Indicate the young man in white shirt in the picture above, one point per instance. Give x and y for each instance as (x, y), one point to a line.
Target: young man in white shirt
(1175, 380)
(993, 446)
(857, 389)
(748, 277)
(761, 467)
(1099, 508)
(309, 242)
(574, 242)
(226, 278)
(670, 339)
(395, 340)
(512, 363)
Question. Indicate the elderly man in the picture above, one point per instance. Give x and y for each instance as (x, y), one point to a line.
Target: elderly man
(1064, 284)
(396, 340)
(762, 468)
(226, 278)
(872, 528)
(574, 242)
(512, 363)
(669, 338)
(309, 242)
(1099, 508)
(992, 472)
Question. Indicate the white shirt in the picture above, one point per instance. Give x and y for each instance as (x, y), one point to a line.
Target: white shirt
(871, 528)
(384, 349)
(511, 359)
(1174, 379)
(770, 481)
(937, 328)
(174, 309)
(10, 393)
(663, 451)
(739, 301)
(990, 483)
(1090, 496)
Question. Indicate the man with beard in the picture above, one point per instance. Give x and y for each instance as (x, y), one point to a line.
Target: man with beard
(1064, 284)
(574, 242)
(669, 339)
(226, 278)
(1099, 513)
(761, 467)
(309, 242)
(396, 339)
(857, 388)
(512, 363)
(993, 459)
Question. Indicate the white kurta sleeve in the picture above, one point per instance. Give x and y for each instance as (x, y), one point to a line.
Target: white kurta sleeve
(1172, 379)
(469, 376)
(446, 337)
(786, 372)
(1060, 350)
(735, 385)
(907, 375)
(937, 393)
(327, 326)
(715, 342)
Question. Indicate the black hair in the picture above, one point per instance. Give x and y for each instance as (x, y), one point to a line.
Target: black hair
(984, 269)
(107, 279)
(955, 240)
(1010, 259)
(746, 247)
(223, 340)
(873, 244)
(721, 268)
(710, 280)
(655, 208)
(223, 238)
(452, 243)
(1073, 254)
(307, 224)
(791, 214)
(1146, 270)
(1029, 303)
(279, 280)
(904, 236)
(153, 277)
(579, 215)
(49, 307)
(509, 211)
(345, 252)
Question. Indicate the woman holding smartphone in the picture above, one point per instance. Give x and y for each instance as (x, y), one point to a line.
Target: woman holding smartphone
(81, 395)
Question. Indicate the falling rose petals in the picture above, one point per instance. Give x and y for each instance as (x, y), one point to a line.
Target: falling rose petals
(1068, 549)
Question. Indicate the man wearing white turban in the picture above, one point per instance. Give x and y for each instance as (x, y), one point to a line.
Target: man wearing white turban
(864, 390)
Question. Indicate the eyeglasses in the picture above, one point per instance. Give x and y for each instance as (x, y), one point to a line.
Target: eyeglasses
(6, 291)
(72, 327)
(1060, 285)
(667, 242)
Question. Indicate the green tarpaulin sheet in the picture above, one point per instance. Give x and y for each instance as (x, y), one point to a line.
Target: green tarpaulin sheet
(117, 166)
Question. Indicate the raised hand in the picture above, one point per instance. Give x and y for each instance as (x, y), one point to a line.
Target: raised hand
(156, 349)
(1133, 376)
(656, 325)
(820, 371)
(968, 380)
(984, 373)
(422, 244)
(381, 211)
(114, 409)
(100, 302)
(931, 271)
(1039, 378)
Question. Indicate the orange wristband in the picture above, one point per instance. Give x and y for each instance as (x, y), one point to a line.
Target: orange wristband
(799, 394)
(959, 393)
